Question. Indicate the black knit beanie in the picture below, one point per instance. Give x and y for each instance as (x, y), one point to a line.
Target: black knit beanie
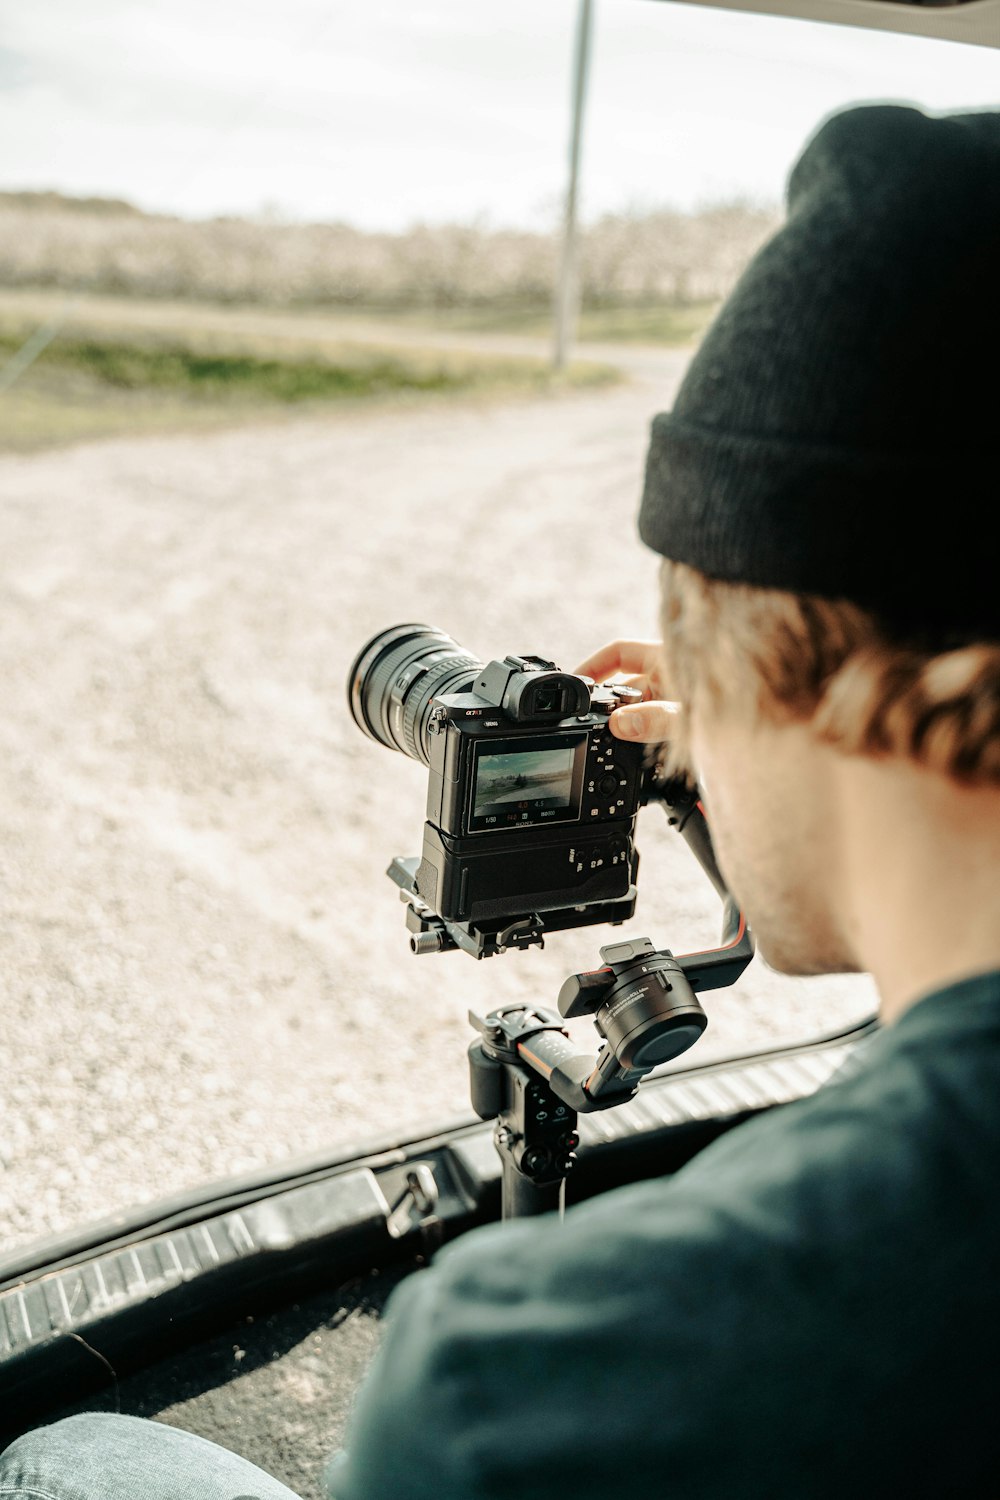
(837, 432)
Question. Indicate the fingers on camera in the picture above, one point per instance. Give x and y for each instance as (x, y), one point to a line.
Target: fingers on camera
(649, 722)
(620, 656)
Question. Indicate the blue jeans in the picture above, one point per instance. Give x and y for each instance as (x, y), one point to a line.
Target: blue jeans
(98, 1456)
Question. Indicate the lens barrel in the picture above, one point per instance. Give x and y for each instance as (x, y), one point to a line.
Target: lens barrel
(395, 679)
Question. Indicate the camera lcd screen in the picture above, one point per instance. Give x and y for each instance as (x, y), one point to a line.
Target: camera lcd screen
(518, 787)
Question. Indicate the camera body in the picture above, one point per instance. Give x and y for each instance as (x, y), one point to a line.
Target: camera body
(531, 801)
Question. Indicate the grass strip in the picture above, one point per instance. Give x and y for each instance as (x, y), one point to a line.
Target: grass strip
(89, 384)
(667, 324)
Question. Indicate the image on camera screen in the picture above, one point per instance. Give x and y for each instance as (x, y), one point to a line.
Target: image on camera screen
(524, 786)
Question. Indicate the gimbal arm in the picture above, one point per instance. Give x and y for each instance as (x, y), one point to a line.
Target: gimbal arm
(714, 968)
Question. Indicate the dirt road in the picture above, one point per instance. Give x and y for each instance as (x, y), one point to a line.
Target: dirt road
(203, 966)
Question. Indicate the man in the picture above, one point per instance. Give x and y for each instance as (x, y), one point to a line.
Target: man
(812, 1306)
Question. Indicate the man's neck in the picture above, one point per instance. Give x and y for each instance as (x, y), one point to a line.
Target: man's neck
(922, 878)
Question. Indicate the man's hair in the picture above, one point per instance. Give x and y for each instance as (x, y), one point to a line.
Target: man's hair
(863, 687)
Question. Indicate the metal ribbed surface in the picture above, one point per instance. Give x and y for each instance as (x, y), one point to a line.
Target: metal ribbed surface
(68, 1299)
(716, 1095)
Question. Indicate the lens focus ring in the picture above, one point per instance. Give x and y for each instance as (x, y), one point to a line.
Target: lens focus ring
(449, 674)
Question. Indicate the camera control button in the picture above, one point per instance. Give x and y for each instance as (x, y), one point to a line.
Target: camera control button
(608, 783)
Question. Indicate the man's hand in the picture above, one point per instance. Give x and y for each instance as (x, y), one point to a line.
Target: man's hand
(638, 664)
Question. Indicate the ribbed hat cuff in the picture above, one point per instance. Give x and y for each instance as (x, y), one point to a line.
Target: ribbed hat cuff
(751, 509)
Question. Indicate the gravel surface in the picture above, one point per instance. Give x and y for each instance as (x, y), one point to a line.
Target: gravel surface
(204, 969)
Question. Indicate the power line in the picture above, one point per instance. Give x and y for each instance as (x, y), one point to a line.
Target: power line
(567, 300)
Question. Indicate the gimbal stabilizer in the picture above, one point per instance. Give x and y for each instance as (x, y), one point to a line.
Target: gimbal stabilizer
(526, 1072)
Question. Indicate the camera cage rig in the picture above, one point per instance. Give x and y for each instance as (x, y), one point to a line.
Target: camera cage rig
(526, 1073)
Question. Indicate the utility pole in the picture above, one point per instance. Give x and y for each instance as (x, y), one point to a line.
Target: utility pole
(567, 297)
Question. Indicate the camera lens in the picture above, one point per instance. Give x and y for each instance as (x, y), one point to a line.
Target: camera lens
(395, 679)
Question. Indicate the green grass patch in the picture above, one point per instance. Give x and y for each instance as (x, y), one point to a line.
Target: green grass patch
(676, 326)
(672, 325)
(95, 383)
(130, 366)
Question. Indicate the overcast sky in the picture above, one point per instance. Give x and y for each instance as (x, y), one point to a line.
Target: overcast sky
(387, 112)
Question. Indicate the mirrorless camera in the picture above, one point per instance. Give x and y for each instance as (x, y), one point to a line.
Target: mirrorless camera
(531, 801)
